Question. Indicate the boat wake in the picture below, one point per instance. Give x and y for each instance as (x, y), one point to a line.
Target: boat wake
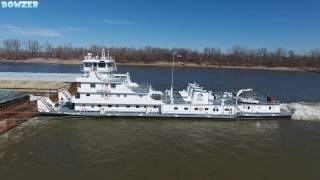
(303, 110)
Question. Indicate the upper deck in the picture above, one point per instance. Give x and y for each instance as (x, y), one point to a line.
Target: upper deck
(103, 64)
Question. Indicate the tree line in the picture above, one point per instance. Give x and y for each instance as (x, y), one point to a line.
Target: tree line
(13, 49)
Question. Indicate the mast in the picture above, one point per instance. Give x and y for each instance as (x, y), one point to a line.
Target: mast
(172, 70)
(108, 53)
(103, 54)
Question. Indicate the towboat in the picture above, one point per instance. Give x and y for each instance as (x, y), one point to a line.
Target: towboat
(102, 92)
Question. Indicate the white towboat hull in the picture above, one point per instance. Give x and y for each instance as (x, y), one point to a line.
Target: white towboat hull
(155, 115)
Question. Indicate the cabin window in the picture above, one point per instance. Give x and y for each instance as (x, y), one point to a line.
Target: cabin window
(92, 85)
(215, 109)
(145, 106)
(186, 108)
(269, 107)
(141, 95)
(175, 108)
(109, 106)
(124, 95)
(88, 94)
(196, 109)
(155, 107)
(206, 109)
(113, 85)
(77, 95)
(226, 109)
(87, 64)
(94, 64)
(137, 106)
(109, 64)
(117, 106)
(92, 106)
(248, 107)
(118, 95)
(99, 105)
(102, 65)
(128, 106)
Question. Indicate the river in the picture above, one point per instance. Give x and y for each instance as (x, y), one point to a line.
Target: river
(64, 148)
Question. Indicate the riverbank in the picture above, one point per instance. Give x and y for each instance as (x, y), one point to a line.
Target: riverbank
(162, 64)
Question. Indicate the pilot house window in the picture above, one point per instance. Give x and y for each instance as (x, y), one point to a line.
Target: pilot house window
(102, 65)
(113, 85)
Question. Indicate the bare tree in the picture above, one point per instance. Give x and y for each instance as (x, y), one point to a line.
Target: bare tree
(33, 47)
(12, 45)
(236, 56)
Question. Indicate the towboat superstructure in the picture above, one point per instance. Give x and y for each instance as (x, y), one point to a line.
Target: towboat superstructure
(102, 92)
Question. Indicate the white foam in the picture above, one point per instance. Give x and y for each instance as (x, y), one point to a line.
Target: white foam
(303, 110)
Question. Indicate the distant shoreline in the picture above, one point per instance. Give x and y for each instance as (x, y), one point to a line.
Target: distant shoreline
(162, 64)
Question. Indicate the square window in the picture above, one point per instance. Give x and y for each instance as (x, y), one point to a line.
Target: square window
(109, 106)
(137, 106)
(117, 105)
(155, 107)
(101, 64)
(88, 94)
(92, 85)
(175, 108)
(186, 108)
(113, 85)
(206, 109)
(196, 109)
(128, 106)
(99, 105)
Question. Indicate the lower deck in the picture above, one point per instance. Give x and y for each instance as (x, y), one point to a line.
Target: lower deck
(69, 112)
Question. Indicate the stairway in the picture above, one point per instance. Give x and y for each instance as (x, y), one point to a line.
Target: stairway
(44, 104)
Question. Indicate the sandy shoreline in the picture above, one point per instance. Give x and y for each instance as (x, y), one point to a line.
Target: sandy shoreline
(163, 64)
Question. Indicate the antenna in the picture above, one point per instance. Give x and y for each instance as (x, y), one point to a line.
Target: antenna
(108, 53)
(172, 70)
(103, 54)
